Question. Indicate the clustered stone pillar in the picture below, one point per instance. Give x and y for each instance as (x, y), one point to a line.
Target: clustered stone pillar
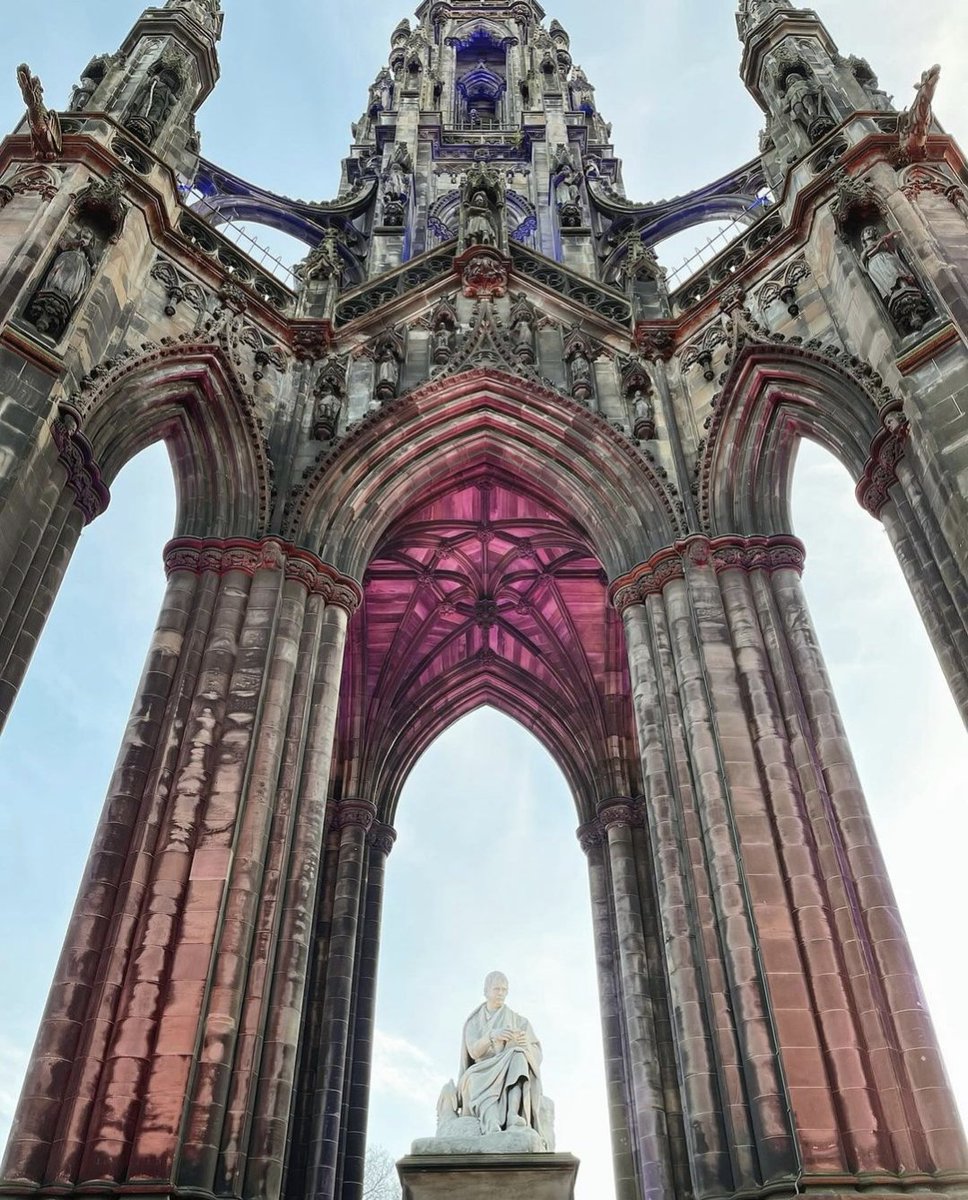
(805, 1054)
(328, 1135)
(165, 1055)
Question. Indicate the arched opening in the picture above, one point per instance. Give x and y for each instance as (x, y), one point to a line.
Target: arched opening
(57, 751)
(488, 870)
(902, 723)
(480, 78)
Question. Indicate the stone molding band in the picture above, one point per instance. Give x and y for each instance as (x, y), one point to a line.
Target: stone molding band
(880, 474)
(222, 555)
(779, 552)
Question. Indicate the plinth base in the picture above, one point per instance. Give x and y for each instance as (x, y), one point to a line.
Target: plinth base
(488, 1176)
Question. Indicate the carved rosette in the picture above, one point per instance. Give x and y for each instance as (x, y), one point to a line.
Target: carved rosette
(780, 552)
(221, 555)
(484, 275)
(76, 456)
(880, 474)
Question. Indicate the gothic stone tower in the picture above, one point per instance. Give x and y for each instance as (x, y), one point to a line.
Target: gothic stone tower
(482, 453)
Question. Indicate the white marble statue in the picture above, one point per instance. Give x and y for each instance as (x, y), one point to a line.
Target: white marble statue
(497, 1104)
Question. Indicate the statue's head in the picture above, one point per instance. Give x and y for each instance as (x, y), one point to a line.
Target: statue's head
(496, 988)
(479, 198)
(870, 235)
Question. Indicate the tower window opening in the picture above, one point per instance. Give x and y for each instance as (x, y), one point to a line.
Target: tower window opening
(481, 81)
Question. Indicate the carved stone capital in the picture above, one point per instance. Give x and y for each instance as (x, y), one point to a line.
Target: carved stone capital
(355, 814)
(268, 554)
(76, 456)
(887, 450)
(619, 813)
(382, 838)
(591, 835)
(776, 553)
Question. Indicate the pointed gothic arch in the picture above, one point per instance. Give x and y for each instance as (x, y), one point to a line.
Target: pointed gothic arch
(190, 397)
(775, 394)
(561, 451)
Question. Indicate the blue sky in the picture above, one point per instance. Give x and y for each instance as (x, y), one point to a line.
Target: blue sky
(295, 74)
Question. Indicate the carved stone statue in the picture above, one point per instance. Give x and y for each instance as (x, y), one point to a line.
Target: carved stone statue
(481, 226)
(804, 102)
(497, 1104)
(443, 342)
(155, 100)
(387, 369)
(396, 186)
(45, 129)
(523, 336)
(906, 302)
(65, 284)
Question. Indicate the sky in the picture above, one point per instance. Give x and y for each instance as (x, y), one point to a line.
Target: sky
(295, 74)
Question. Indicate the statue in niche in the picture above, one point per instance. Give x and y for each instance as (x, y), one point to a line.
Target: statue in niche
(497, 1104)
(443, 342)
(580, 367)
(155, 100)
(91, 78)
(897, 286)
(522, 334)
(65, 284)
(388, 356)
(396, 186)
(803, 100)
(567, 193)
(481, 226)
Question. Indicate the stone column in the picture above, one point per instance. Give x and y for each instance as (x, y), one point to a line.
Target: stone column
(44, 510)
(353, 1157)
(353, 819)
(592, 839)
(782, 938)
(145, 1042)
(648, 1109)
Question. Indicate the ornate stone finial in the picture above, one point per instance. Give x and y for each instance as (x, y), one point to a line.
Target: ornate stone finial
(752, 13)
(44, 124)
(208, 13)
(915, 122)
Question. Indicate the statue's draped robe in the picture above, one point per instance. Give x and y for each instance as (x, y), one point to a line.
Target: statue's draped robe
(488, 1074)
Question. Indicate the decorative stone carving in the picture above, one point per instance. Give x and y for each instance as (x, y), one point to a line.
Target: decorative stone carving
(179, 288)
(887, 450)
(856, 200)
(783, 287)
(44, 124)
(91, 78)
(155, 100)
(566, 181)
(637, 389)
(485, 276)
(396, 186)
(100, 204)
(914, 123)
(65, 282)
(579, 354)
(802, 97)
(221, 555)
(497, 1105)
(329, 396)
(388, 356)
(30, 180)
(482, 209)
(76, 456)
(906, 301)
(443, 333)
(522, 322)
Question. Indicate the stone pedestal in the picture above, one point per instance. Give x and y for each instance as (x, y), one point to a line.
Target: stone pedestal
(486, 1176)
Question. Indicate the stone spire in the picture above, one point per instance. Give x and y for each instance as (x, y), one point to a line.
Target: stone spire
(795, 72)
(164, 70)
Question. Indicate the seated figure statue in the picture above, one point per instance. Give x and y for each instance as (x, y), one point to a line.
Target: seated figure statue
(497, 1100)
